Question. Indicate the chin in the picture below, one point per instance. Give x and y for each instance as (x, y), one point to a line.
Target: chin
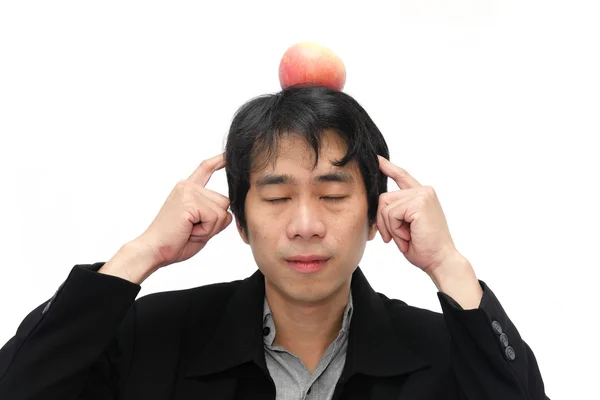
(311, 291)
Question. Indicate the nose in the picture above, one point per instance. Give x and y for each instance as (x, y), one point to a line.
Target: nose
(306, 221)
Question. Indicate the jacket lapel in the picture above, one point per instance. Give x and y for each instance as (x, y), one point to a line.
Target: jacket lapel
(237, 338)
(376, 348)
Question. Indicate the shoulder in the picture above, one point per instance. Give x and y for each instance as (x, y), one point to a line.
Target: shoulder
(171, 306)
(424, 329)
(399, 310)
(204, 292)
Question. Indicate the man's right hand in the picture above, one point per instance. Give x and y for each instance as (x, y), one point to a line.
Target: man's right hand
(191, 215)
(189, 218)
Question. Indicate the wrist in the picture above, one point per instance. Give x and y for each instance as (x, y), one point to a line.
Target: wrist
(454, 267)
(132, 262)
(456, 278)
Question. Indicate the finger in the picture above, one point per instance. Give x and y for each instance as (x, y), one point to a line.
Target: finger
(222, 222)
(221, 219)
(401, 235)
(217, 198)
(384, 200)
(212, 217)
(383, 232)
(397, 219)
(202, 174)
(386, 218)
(399, 175)
(381, 226)
(403, 231)
(206, 226)
(396, 195)
(385, 214)
(226, 223)
(402, 244)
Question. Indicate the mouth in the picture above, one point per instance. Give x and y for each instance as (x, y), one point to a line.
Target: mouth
(307, 264)
(308, 258)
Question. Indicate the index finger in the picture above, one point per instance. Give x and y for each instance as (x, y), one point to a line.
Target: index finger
(202, 174)
(399, 175)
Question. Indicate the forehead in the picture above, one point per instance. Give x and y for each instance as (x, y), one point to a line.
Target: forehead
(293, 152)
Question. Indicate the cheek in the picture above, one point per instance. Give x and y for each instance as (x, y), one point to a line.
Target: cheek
(262, 231)
(354, 218)
(348, 231)
(360, 228)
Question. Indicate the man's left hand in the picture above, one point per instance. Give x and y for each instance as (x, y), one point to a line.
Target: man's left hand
(413, 218)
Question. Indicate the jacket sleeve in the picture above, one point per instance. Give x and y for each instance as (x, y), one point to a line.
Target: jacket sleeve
(489, 358)
(76, 345)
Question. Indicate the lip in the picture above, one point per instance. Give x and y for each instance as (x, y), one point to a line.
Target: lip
(308, 258)
(307, 264)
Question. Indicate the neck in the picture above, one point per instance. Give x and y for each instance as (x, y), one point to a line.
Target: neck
(307, 329)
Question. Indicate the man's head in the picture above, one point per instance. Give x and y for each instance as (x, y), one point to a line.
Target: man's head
(303, 180)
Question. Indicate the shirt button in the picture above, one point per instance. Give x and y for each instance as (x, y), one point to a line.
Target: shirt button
(510, 353)
(266, 331)
(497, 327)
(504, 340)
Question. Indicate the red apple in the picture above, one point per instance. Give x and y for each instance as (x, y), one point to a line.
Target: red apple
(309, 64)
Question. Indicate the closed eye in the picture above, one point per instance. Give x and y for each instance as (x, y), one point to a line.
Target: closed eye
(280, 200)
(332, 199)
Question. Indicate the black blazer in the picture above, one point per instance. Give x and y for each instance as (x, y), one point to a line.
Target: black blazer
(93, 340)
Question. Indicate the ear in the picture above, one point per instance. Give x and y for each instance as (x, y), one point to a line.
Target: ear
(372, 231)
(241, 232)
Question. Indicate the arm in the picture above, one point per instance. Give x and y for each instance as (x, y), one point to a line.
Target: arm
(487, 364)
(77, 342)
(490, 359)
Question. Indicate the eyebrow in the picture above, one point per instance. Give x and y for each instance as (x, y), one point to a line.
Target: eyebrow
(285, 179)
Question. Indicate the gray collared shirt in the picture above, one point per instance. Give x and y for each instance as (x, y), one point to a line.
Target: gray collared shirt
(293, 381)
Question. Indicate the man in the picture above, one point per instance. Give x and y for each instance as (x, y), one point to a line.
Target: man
(307, 171)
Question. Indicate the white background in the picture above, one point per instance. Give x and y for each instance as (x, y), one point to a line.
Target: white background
(104, 106)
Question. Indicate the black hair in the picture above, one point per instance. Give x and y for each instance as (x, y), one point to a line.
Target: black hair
(258, 124)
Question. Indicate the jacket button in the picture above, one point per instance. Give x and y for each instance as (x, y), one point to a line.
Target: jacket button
(497, 327)
(504, 339)
(510, 353)
(266, 331)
